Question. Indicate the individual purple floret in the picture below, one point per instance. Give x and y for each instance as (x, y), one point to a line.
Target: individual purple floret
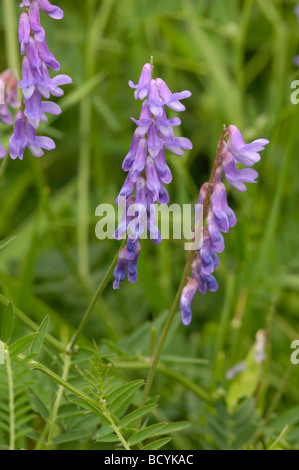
(24, 136)
(147, 168)
(218, 215)
(188, 293)
(36, 82)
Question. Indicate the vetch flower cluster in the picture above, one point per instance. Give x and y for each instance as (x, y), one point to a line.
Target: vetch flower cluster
(9, 99)
(147, 168)
(36, 82)
(219, 216)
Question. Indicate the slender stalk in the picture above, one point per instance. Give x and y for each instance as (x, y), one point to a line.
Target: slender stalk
(165, 330)
(75, 391)
(4, 166)
(97, 21)
(48, 431)
(12, 430)
(187, 268)
(60, 241)
(93, 302)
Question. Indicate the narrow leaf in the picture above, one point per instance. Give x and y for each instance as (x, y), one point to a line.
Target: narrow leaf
(136, 415)
(146, 433)
(7, 326)
(157, 444)
(40, 336)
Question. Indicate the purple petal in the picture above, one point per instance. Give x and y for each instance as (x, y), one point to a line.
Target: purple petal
(52, 10)
(24, 31)
(154, 143)
(185, 303)
(129, 159)
(51, 108)
(34, 17)
(139, 161)
(153, 183)
(216, 235)
(18, 141)
(155, 103)
(162, 168)
(142, 88)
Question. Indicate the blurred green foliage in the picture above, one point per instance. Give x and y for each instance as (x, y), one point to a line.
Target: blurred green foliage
(236, 57)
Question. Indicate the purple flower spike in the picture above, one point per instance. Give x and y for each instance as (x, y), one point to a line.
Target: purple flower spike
(143, 86)
(147, 167)
(185, 303)
(218, 216)
(36, 82)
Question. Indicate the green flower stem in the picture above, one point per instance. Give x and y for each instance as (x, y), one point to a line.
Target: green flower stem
(93, 302)
(33, 365)
(97, 21)
(12, 430)
(165, 330)
(48, 431)
(4, 166)
(187, 268)
(63, 246)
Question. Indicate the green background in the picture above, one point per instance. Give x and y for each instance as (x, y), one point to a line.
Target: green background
(236, 57)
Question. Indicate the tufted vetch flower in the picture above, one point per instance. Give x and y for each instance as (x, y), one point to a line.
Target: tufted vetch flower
(36, 83)
(147, 168)
(218, 216)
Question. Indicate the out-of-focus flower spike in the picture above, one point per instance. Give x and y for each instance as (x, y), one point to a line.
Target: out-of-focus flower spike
(219, 216)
